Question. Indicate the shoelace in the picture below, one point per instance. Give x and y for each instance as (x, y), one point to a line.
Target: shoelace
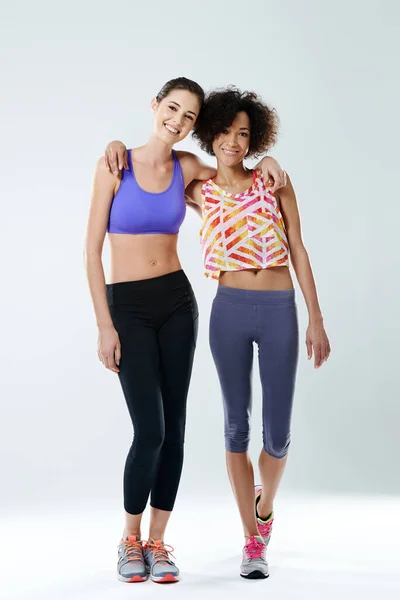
(254, 548)
(134, 550)
(160, 551)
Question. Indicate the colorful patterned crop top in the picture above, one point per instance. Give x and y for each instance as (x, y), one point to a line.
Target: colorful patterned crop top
(242, 231)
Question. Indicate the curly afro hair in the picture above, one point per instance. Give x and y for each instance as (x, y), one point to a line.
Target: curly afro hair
(219, 111)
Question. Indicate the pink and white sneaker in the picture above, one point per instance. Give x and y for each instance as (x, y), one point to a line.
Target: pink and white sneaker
(254, 564)
(264, 527)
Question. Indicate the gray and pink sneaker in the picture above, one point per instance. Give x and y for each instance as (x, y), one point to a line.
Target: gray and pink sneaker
(158, 562)
(254, 564)
(131, 566)
(264, 527)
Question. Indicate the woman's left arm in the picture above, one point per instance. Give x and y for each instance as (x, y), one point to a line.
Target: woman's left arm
(316, 338)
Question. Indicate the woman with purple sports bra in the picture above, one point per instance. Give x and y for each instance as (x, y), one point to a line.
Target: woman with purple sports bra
(247, 234)
(147, 314)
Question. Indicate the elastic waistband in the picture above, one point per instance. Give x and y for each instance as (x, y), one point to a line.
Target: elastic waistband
(162, 282)
(240, 296)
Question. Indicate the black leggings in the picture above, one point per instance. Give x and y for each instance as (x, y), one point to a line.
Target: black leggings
(156, 320)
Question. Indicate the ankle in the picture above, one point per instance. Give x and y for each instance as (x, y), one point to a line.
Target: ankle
(264, 511)
(156, 535)
(128, 532)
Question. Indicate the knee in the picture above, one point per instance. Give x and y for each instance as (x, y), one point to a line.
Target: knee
(277, 447)
(237, 438)
(149, 442)
(175, 432)
(173, 439)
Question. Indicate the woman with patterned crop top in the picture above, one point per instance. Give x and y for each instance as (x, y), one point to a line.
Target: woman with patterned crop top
(247, 234)
(242, 231)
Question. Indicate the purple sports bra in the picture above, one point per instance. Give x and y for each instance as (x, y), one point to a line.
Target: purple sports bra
(135, 211)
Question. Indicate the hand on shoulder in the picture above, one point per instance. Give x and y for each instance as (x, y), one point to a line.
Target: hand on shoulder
(116, 157)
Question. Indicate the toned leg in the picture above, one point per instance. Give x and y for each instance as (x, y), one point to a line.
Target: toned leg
(132, 525)
(176, 343)
(241, 476)
(271, 471)
(140, 380)
(158, 523)
(232, 349)
(278, 352)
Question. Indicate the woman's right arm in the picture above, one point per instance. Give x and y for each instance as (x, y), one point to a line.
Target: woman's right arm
(103, 191)
(193, 197)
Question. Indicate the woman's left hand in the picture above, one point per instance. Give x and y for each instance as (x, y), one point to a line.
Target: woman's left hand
(273, 174)
(317, 342)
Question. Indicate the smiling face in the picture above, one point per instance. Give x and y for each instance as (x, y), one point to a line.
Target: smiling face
(175, 115)
(231, 146)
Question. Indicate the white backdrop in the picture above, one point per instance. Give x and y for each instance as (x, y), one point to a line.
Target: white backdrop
(76, 75)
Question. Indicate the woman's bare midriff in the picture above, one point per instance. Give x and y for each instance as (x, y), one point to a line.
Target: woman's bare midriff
(135, 257)
(274, 278)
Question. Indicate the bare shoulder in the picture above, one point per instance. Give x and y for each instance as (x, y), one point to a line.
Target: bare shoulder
(103, 180)
(188, 160)
(185, 156)
(102, 169)
(288, 205)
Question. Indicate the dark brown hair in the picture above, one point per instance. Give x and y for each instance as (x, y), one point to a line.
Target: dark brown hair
(219, 111)
(181, 83)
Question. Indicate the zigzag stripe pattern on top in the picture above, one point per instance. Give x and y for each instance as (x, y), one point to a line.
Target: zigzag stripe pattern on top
(242, 231)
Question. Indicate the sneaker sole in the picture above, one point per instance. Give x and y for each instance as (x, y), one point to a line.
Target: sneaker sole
(254, 575)
(134, 579)
(166, 579)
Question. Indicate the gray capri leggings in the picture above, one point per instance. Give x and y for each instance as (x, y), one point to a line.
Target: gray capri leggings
(269, 318)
